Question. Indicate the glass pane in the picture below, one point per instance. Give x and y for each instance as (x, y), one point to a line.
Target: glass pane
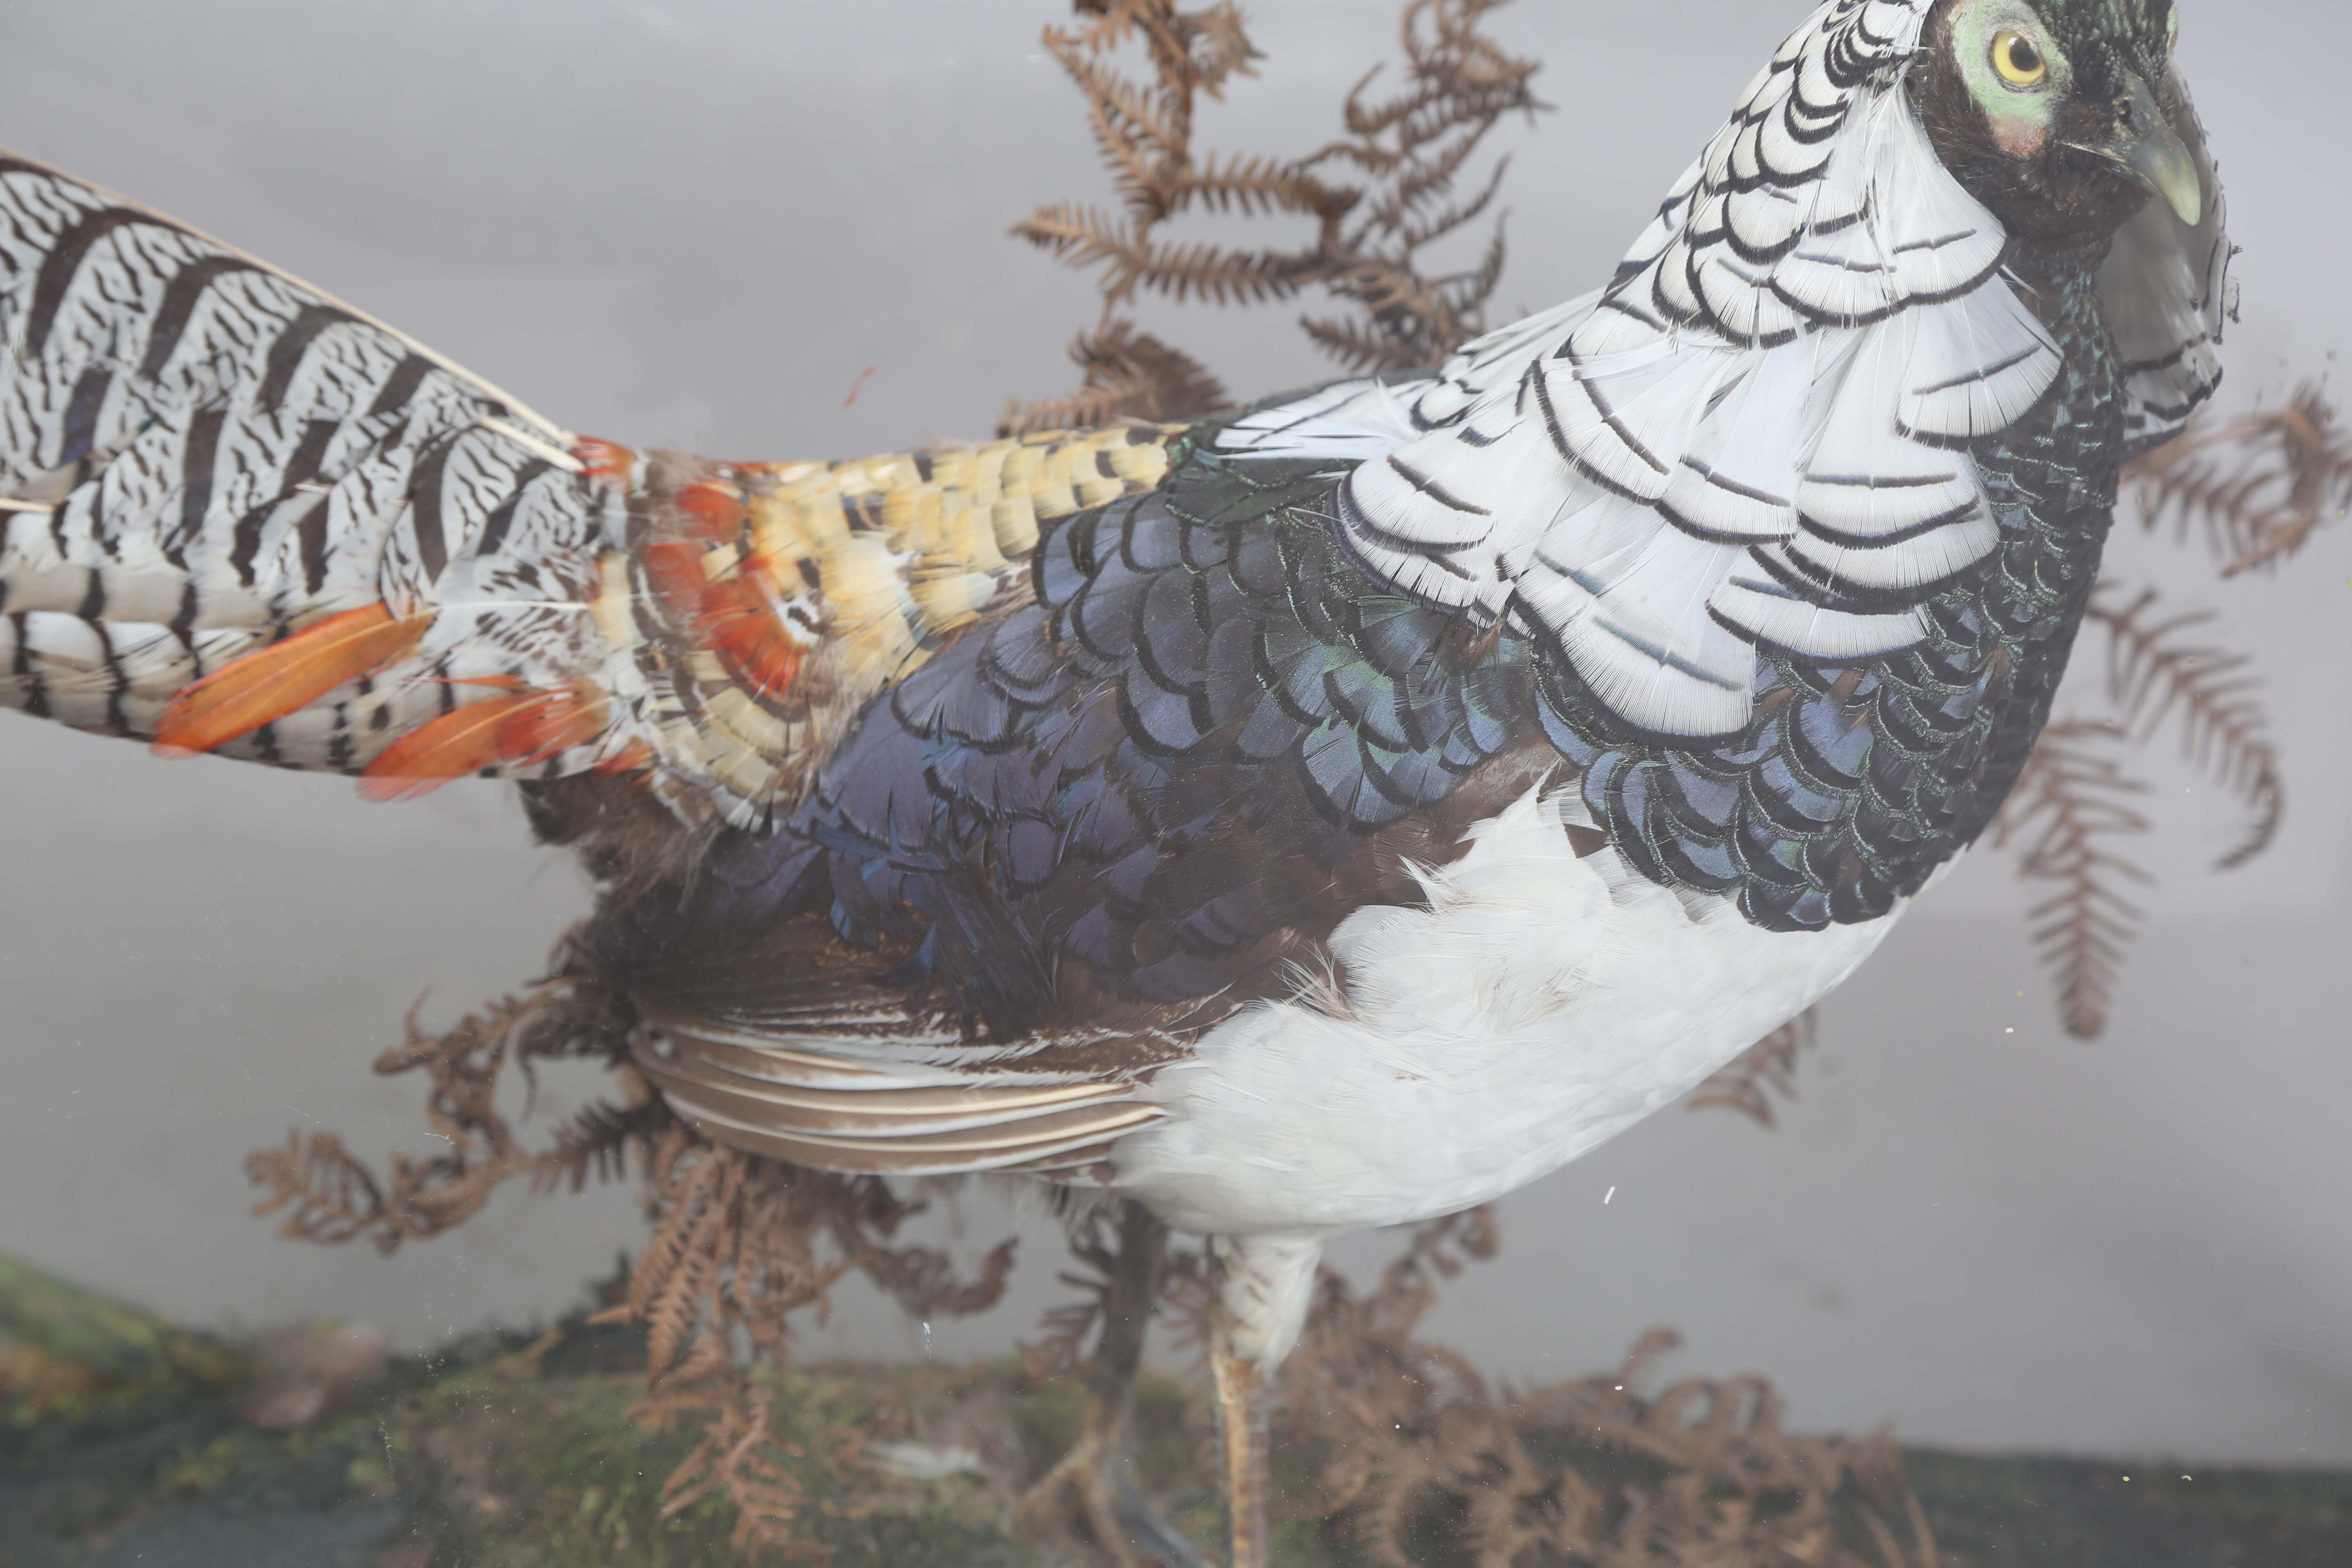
(1221, 885)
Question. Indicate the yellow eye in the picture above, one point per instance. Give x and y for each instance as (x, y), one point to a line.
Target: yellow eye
(2019, 60)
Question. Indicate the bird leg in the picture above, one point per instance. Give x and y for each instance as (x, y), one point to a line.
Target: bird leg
(1263, 1289)
(1091, 1480)
(1244, 1438)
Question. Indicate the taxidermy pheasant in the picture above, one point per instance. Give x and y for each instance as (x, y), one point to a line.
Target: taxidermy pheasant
(1329, 814)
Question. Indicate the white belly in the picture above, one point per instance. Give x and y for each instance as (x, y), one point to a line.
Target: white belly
(1542, 1005)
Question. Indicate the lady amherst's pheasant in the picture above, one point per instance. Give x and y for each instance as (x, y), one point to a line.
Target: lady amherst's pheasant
(1329, 814)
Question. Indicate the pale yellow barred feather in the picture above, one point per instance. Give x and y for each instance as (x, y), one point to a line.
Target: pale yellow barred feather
(836, 580)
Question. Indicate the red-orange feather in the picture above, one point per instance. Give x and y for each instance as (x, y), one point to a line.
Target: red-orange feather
(739, 626)
(673, 569)
(283, 677)
(605, 461)
(713, 511)
(732, 617)
(518, 730)
(634, 757)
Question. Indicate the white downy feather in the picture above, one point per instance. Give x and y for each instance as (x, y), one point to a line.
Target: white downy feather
(1542, 1003)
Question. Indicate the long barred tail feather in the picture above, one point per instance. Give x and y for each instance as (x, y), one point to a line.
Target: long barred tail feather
(238, 517)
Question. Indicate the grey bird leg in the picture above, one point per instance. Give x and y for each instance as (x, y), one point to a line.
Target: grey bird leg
(1091, 1480)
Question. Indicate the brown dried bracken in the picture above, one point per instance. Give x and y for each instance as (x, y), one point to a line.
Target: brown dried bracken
(2155, 674)
(333, 1197)
(738, 1246)
(2257, 487)
(2070, 807)
(1060, 1350)
(737, 1453)
(1366, 238)
(1591, 1473)
(739, 1243)
(1128, 374)
(1766, 1071)
(1413, 147)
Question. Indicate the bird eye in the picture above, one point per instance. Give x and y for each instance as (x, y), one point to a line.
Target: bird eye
(2019, 62)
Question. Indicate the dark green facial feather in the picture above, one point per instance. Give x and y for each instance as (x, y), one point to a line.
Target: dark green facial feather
(2064, 117)
(2122, 25)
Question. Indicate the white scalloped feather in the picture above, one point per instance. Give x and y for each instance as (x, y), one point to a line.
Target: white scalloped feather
(1748, 438)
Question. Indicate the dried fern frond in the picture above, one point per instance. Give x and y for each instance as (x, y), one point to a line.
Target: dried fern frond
(2074, 802)
(1413, 147)
(2157, 675)
(595, 1145)
(2256, 487)
(1766, 1071)
(2071, 806)
(1203, 49)
(736, 1454)
(1129, 374)
(740, 1246)
(329, 1197)
(1068, 1323)
(1372, 201)
(1414, 1434)
(1079, 237)
(1144, 133)
(1456, 77)
(328, 1194)
(924, 1282)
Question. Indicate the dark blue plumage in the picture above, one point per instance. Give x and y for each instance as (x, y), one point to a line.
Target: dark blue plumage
(1210, 735)
(1205, 738)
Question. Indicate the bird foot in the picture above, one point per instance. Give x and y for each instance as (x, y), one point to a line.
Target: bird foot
(1088, 1496)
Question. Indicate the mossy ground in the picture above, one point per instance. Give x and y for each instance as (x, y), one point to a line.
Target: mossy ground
(493, 1458)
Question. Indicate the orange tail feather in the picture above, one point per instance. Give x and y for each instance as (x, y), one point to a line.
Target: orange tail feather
(523, 729)
(283, 677)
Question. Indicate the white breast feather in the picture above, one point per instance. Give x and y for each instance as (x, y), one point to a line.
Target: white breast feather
(1541, 1004)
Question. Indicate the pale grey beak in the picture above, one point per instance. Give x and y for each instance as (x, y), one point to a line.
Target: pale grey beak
(2147, 146)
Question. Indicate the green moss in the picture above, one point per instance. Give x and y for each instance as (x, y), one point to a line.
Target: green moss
(2024, 1512)
(495, 1458)
(512, 1473)
(123, 1346)
(555, 1471)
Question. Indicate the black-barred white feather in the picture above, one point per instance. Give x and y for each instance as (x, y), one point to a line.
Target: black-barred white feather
(1754, 441)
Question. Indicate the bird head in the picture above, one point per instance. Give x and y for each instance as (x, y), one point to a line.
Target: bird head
(2063, 116)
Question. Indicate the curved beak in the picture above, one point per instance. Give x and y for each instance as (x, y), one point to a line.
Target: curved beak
(2152, 151)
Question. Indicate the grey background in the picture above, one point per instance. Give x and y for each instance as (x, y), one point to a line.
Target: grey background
(695, 221)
